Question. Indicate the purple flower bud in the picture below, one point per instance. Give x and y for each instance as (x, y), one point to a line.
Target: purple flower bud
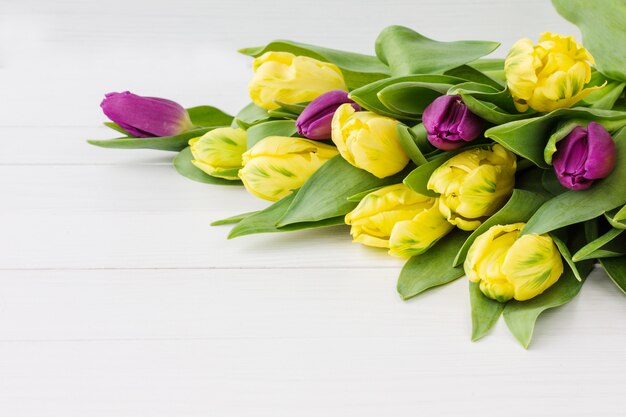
(145, 117)
(586, 154)
(450, 124)
(315, 121)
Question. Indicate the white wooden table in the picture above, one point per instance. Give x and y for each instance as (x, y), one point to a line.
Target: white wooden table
(118, 299)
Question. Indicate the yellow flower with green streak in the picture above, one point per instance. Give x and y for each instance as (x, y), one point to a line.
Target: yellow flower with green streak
(368, 141)
(549, 75)
(277, 165)
(287, 78)
(218, 152)
(414, 237)
(377, 213)
(508, 266)
(474, 185)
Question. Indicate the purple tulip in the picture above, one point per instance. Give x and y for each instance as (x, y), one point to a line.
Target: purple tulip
(450, 124)
(145, 117)
(585, 155)
(315, 120)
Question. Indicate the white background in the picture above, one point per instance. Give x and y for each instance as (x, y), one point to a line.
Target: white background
(118, 299)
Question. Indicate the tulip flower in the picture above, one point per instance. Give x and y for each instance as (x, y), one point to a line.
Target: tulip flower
(509, 266)
(474, 185)
(377, 213)
(315, 121)
(145, 117)
(277, 165)
(549, 75)
(287, 78)
(368, 141)
(449, 123)
(218, 152)
(586, 154)
(414, 237)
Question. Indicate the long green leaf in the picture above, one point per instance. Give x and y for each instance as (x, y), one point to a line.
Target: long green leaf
(433, 267)
(485, 312)
(519, 208)
(602, 26)
(233, 219)
(521, 316)
(164, 143)
(610, 244)
(357, 69)
(182, 163)
(265, 220)
(408, 52)
(251, 115)
(616, 270)
(325, 194)
(207, 116)
(260, 131)
(577, 206)
(408, 140)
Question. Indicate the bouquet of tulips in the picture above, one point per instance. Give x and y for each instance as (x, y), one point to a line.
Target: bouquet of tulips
(511, 172)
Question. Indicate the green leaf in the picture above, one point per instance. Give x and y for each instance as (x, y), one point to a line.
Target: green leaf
(207, 116)
(610, 244)
(616, 270)
(519, 208)
(528, 138)
(408, 52)
(521, 316)
(368, 95)
(577, 206)
(485, 312)
(165, 143)
(233, 219)
(265, 220)
(566, 254)
(325, 194)
(251, 115)
(410, 99)
(605, 97)
(432, 268)
(117, 128)
(616, 218)
(602, 26)
(260, 131)
(357, 69)
(473, 74)
(182, 163)
(408, 140)
(359, 196)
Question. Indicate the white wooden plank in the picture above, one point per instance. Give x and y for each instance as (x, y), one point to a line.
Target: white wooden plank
(163, 343)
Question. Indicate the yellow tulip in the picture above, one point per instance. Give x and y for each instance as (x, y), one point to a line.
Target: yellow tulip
(287, 78)
(474, 185)
(414, 237)
(377, 213)
(508, 266)
(218, 152)
(368, 141)
(277, 165)
(549, 75)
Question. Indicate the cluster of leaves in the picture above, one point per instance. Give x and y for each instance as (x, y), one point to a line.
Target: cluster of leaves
(408, 72)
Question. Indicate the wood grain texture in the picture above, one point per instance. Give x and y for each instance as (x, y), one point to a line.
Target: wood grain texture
(118, 299)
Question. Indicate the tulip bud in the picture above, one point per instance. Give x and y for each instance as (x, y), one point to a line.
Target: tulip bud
(277, 165)
(218, 152)
(549, 75)
(414, 237)
(287, 78)
(450, 124)
(368, 141)
(315, 121)
(586, 154)
(145, 117)
(508, 266)
(377, 213)
(474, 185)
